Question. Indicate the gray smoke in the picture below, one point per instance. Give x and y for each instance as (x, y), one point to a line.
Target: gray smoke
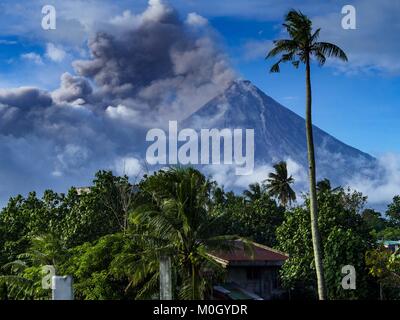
(143, 70)
(156, 62)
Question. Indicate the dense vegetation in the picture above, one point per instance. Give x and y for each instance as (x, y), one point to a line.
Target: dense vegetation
(110, 237)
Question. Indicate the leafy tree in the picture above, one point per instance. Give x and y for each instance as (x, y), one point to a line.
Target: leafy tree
(374, 221)
(278, 184)
(96, 268)
(393, 212)
(253, 217)
(301, 47)
(102, 209)
(346, 246)
(389, 233)
(345, 236)
(389, 228)
(71, 220)
(24, 218)
(385, 266)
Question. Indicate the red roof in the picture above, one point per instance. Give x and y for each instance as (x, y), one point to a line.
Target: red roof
(252, 252)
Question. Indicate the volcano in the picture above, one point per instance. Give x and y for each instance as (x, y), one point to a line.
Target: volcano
(279, 132)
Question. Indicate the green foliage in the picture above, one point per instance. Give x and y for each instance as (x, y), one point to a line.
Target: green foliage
(385, 266)
(255, 216)
(92, 266)
(68, 220)
(24, 277)
(99, 211)
(178, 222)
(374, 220)
(345, 247)
(393, 212)
(389, 233)
(111, 236)
(385, 229)
(345, 239)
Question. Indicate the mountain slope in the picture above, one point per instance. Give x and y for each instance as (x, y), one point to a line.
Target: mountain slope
(279, 132)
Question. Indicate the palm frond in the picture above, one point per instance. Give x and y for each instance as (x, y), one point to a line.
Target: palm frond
(329, 50)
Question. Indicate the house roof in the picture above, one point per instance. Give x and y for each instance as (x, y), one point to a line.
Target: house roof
(250, 253)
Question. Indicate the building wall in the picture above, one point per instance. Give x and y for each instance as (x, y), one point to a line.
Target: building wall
(260, 280)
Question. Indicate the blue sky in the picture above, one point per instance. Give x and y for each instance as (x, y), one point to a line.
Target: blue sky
(58, 102)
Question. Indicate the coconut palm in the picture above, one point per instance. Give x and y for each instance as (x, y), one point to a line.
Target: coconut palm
(278, 184)
(301, 47)
(178, 224)
(254, 192)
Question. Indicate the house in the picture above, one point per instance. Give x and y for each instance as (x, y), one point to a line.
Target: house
(252, 272)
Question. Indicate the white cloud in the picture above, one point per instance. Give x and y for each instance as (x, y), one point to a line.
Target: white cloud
(55, 53)
(32, 56)
(129, 166)
(385, 185)
(195, 19)
(126, 20)
(123, 113)
(298, 172)
(225, 174)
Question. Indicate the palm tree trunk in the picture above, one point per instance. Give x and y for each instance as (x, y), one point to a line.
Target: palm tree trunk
(195, 283)
(313, 191)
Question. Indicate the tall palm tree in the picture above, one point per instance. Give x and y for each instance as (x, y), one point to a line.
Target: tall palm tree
(178, 224)
(278, 184)
(302, 46)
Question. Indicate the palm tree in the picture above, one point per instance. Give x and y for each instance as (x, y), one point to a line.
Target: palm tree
(302, 46)
(324, 185)
(254, 192)
(178, 224)
(278, 184)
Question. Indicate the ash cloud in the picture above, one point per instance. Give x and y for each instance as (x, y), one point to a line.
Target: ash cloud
(156, 62)
(72, 89)
(143, 70)
(25, 97)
